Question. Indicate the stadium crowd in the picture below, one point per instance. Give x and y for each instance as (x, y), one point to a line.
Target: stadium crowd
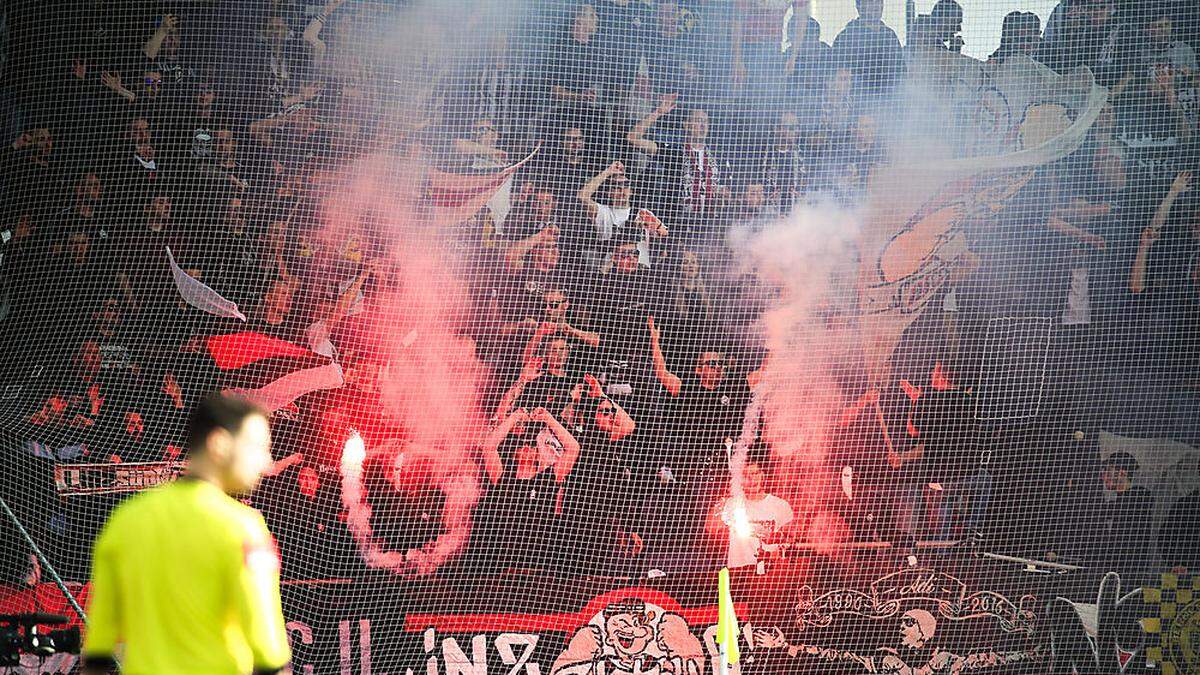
(618, 326)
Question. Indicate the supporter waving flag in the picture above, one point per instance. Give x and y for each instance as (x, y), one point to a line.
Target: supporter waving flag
(270, 372)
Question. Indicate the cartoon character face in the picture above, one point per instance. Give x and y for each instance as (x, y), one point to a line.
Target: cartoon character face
(629, 633)
(917, 627)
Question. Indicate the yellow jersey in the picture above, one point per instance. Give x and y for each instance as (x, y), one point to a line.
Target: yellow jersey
(187, 578)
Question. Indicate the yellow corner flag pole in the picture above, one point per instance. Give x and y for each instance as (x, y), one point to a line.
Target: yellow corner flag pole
(727, 623)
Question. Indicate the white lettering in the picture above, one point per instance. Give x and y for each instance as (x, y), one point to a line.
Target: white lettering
(457, 662)
(306, 638)
(430, 640)
(364, 646)
(343, 648)
(504, 645)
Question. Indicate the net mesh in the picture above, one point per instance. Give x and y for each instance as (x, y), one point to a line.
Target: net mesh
(560, 306)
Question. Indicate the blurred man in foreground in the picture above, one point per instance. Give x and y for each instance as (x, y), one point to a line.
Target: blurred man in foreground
(185, 576)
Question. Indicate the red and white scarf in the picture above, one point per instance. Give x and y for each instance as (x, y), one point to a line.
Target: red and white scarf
(700, 180)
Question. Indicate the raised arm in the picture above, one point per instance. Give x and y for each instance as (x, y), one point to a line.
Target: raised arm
(111, 80)
(350, 295)
(623, 422)
(589, 338)
(1082, 210)
(531, 372)
(305, 94)
(154, 44)
(492, 463)
(1077, 233)
(589, 188)
(515, 257)
(471, 148)
(1137, 275)
(637, 135)
(1181, 184)
(670, 381)
(566, 461)
(312, 32)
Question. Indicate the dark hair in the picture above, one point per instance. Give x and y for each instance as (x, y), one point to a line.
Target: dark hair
(1121, 461)
(218, 411)
(946, 9)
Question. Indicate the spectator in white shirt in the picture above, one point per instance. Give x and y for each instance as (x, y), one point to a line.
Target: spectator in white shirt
(619, 215)
(755, 522)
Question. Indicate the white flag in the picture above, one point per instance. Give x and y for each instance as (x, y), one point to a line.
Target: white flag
(200, 296)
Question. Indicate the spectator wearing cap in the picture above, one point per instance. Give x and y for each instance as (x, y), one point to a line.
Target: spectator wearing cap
(1125, 514)
(619, 217)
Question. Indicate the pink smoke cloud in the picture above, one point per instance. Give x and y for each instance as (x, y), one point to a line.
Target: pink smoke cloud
(430, 377)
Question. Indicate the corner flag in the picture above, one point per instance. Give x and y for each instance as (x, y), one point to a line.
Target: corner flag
(727, 623)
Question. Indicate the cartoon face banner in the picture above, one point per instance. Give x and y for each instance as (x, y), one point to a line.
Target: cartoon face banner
(866, 618)
(808, 616)
(914, 239)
